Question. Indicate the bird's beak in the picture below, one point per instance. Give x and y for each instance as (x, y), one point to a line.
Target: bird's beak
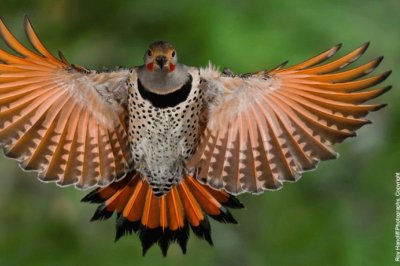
(161, 60)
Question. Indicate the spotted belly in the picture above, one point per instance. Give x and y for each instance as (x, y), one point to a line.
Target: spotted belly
(162, 139)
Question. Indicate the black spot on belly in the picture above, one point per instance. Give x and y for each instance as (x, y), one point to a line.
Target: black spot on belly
(166, 100)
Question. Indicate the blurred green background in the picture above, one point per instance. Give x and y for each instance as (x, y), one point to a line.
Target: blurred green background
(341, 214)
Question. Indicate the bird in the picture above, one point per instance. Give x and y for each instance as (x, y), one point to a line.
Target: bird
(166, 146)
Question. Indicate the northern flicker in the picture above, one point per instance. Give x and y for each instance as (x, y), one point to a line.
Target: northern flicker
(165, 145)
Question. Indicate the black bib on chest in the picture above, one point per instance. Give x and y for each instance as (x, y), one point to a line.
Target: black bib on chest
(166, 100)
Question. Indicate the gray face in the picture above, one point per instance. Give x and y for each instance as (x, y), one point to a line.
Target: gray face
(161, 56)
(161, 73)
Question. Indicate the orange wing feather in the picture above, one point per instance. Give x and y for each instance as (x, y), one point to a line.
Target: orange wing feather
(270, 127)
(54, 122)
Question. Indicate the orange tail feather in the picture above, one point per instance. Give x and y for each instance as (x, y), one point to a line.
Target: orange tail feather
(164, 219)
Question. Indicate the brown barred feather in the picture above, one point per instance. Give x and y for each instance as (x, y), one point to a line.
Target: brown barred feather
(56, 124)
(282, 123)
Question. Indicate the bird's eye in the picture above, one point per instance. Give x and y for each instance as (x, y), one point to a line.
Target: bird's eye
(173, 54)
(149, 53)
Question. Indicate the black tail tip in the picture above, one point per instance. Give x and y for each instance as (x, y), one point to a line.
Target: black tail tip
(233, 203)
(203, 231)
(101, 213)
(125, 227)
(93, 197)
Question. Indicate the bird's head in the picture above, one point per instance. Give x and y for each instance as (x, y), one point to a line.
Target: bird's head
(161, 56)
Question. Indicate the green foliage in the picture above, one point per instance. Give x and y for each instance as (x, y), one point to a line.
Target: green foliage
(341, 214)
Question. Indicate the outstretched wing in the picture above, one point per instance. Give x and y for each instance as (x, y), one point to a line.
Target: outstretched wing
(269, 127)
(63, 121)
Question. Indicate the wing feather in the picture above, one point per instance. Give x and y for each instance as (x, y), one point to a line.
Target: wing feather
(263, 149)
(231, 179)
(37, 44)
(351, 74)
(266, 128)
(60, 120)
(339, 63)
(220, 161)
(71, 147)
(317, 59)
(284, 164)
(304, 135)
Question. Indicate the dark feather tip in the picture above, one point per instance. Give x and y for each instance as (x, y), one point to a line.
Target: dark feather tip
(380, 106)
(364, 47)
(338, 46)
(125, 227)
(386, 75)
(386, 89)
(224, 217)
(101, 213)
(93, 197)
(233, 203)
(148, 237)
(203, 230)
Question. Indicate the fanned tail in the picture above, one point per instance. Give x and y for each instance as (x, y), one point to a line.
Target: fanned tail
(164, 219)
